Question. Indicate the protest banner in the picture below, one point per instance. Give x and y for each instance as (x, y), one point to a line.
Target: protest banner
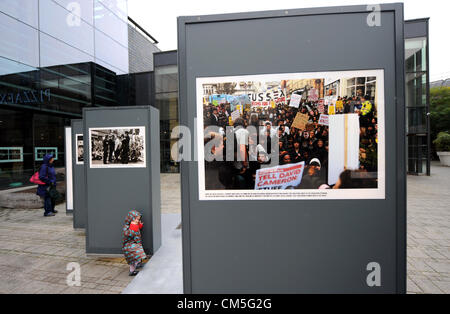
(242, 100)
(279, 177)
(300, 121)
(295, 100)
(265, 99)
(323, 120)
(217, 100)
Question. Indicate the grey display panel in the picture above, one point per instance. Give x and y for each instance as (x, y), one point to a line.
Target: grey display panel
(111, 192)
(69, 170)
(301, 246)
(78, 173)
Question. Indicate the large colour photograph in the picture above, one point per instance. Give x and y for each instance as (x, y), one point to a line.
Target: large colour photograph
(292, 136)
(117, 147)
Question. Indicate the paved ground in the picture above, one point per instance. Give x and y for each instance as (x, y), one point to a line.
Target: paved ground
(429, 232)
(163, 274)
(170, 194)
(34, 251)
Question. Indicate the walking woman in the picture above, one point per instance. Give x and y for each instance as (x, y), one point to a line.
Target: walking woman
(47, 175)
(132, 242)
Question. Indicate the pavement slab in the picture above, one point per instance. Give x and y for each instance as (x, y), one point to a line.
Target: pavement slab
(429, 231)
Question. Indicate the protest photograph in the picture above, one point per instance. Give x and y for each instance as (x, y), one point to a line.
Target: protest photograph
(285, 134)
(80, 149)
(118, 147)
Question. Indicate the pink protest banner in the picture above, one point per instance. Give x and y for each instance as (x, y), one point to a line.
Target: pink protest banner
(279, 177)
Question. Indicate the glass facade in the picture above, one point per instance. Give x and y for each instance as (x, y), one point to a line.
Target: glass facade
(56, 57)
(166, 100)
(417, 97)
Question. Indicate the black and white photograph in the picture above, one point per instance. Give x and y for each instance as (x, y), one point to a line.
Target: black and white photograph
(80, 149)
(117, 147)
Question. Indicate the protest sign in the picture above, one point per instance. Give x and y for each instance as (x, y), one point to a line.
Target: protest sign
(300, 121)
(235, 114)
(313, 94)
(279, 177)
(323, 120)
(331, 109)
(295, 100)
(321, 106)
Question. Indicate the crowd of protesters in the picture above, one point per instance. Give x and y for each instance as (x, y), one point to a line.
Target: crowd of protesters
(274, 125)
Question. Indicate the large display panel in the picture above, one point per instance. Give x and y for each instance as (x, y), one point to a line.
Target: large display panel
(121, 163)
(79, 176)
(321, 220)
(69, 170)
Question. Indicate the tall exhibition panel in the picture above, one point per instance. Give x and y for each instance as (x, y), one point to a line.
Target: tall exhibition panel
(78, 176)
(331, 217)
(122, 174)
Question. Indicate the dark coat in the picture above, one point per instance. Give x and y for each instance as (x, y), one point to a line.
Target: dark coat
(214, 120)
(47, 175)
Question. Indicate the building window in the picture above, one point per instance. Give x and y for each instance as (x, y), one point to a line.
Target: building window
(361, 86)
(417, 105)
(166, 100)
(41, 152)
(11, 154)
(332, 89)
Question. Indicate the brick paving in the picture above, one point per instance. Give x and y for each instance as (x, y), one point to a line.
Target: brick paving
(429, 232)
(35, 251)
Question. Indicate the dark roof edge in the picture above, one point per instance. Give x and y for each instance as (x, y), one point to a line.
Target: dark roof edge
(143, 30)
